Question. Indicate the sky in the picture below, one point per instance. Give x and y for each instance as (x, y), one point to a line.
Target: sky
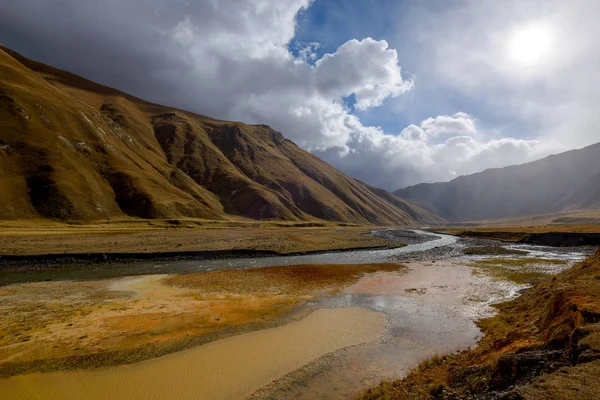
(393, 93)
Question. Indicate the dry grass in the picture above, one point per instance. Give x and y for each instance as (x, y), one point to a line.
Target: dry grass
(575, 217)
(518, 270)
(163, 236)
(514, 233)
(290, 280)
(491, 250)
(576, 383)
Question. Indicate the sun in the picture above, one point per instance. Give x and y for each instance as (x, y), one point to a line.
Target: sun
(530, 45)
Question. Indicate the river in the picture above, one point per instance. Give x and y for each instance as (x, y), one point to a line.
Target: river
(378, 328)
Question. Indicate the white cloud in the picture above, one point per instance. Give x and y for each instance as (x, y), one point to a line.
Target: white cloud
(413, 132)
(470, 51)
(230, 60)
(367, 68)
(392, 162)
(459, 123)
(308, 53)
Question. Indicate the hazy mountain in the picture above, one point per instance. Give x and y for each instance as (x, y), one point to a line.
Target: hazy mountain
(72, 149)
(565, 181)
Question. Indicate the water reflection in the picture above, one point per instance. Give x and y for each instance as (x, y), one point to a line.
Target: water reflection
(416, 330)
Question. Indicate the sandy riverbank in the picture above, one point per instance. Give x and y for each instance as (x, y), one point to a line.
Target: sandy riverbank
(82, 324)
(231, 368)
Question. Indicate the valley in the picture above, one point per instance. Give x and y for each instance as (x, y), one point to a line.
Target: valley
(150, 252)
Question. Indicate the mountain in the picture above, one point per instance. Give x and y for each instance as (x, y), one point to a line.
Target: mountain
(566, 181)
(71, 149)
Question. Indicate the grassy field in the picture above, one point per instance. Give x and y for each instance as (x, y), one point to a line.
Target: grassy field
(519, 230)
(491, 250)
(543, 345)
(552, 235)
(29, 238)
(576, 217)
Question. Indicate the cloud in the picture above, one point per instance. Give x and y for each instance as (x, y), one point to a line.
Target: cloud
(231, 60)
(468, 50)
(458, 123)
(413, 132)
(393, 162)
(367, 68)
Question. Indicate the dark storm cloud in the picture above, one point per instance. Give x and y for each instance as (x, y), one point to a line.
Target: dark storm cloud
(117, 43)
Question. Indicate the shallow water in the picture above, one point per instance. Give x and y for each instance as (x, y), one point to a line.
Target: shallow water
(110, 270)
(431, 310)
(230, 368)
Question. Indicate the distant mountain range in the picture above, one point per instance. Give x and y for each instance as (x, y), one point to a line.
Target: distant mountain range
(71, 149)
(562, 182)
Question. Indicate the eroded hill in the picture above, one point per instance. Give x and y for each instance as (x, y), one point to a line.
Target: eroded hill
(71, 149)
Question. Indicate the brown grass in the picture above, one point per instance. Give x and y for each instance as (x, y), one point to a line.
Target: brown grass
(574, 217)
(188, 235)
(290, 280)
(491, 250)
(518, 270)
(514, 233)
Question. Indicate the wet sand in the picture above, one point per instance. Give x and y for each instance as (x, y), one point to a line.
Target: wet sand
(231, 368)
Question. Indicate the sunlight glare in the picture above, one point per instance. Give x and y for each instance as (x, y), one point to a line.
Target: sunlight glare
(530, 45)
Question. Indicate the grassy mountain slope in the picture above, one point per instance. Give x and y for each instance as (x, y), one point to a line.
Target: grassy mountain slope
(71, 149)
(566, 181)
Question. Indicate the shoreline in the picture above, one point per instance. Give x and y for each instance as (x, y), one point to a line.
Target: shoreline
(544, 344)
(540, 236)
(70, 260)
(130, 319)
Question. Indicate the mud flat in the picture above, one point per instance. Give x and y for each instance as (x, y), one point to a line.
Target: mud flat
(231, 368)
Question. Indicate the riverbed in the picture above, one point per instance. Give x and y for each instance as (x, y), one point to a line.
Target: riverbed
(378, 327)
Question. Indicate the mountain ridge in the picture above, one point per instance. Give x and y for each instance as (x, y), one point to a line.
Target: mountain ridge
(73, 149)
(559, 182)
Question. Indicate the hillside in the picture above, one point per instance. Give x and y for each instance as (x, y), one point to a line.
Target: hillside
(562, 182)
(71, 149)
